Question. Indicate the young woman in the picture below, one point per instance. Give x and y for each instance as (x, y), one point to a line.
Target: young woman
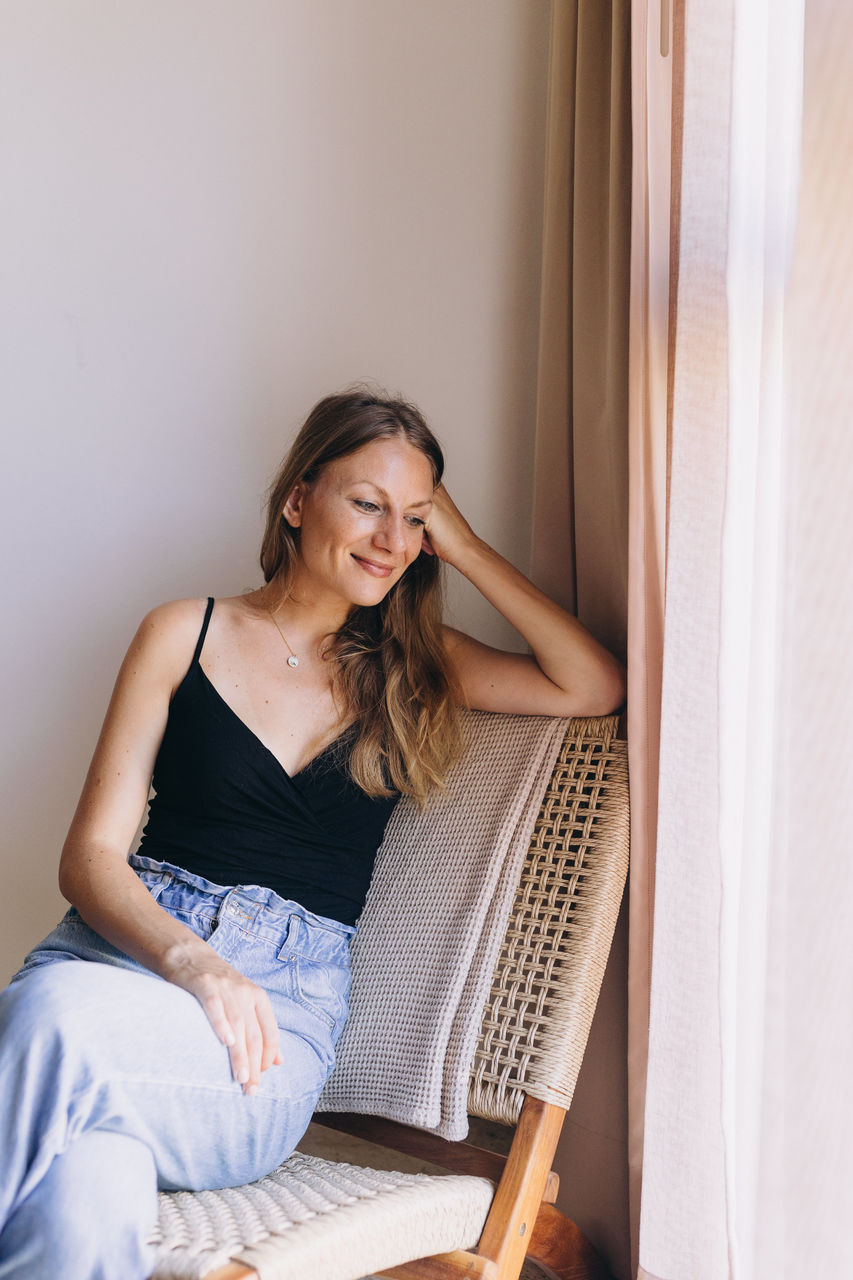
(178, 1026)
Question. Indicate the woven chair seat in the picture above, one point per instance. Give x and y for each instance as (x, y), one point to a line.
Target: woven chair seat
(378, 1219)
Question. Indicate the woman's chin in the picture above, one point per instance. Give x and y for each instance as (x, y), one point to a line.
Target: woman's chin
(369, 599)
(372, 591)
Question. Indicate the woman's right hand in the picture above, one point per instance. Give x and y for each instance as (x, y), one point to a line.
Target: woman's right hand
(238, 1010)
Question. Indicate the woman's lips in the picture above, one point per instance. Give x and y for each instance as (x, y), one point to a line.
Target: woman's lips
(374, 567)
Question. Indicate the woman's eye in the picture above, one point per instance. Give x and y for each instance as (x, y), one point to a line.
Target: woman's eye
(416, 522)
(364, 505)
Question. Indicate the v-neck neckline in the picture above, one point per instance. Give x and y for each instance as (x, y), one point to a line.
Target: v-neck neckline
(292, 777)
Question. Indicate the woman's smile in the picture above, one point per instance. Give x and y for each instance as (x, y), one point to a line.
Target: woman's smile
(361, 522)
(374, 567)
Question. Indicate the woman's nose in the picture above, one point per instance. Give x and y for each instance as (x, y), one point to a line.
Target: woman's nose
(391, 533)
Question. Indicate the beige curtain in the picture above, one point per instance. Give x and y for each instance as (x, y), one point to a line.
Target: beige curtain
(580, 532)
(747, 1127)
(580, 540)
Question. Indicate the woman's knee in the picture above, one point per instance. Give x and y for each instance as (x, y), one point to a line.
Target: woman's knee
(41, 1004)
(60, 1024)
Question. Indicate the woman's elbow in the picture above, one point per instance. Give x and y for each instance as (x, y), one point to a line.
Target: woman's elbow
(75, 868)
(602, 696)
(67, 873)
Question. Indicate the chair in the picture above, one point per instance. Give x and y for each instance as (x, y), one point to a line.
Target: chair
(315, 1219)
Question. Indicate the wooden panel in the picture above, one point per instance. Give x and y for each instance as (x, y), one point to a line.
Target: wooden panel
(458, 1265)
(233, 1271)
(457, 1157)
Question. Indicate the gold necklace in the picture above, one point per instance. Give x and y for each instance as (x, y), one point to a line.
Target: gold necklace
(292, 661)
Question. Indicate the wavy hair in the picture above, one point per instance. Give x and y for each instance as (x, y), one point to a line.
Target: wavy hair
(393, 679)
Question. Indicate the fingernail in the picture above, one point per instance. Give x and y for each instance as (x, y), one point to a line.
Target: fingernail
(251, 1090)
(242, 1075)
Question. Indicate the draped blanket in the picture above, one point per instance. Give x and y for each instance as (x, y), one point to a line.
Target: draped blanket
(432, 926)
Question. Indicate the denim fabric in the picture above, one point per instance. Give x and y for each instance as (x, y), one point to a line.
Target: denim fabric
(94, 1044)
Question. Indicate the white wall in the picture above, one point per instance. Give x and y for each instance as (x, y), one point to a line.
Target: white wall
(212, 215)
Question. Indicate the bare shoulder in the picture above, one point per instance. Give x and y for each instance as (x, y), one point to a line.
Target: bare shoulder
(166, 637)
(175, 618)
(173, 623)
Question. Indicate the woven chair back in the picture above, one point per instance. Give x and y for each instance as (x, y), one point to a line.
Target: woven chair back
(548, 975)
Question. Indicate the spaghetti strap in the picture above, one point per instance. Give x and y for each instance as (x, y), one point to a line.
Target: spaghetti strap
(208, 611)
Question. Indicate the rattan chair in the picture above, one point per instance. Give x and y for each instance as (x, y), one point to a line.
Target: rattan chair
(315, 1219)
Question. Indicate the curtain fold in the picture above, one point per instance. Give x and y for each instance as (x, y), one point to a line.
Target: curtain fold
(651, 335)
(579, 539)
(580, 510)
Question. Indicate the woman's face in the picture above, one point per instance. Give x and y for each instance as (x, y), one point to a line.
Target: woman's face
(361, 522)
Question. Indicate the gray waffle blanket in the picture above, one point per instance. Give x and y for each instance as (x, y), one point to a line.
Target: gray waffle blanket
(432, 926)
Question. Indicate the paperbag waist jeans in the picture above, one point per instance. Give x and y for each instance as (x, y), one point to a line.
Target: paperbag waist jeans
(112, 1081)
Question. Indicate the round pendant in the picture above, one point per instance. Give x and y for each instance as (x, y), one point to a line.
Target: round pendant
(293, 661)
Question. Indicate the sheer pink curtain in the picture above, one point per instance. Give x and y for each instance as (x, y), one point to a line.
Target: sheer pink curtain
(741, 1128)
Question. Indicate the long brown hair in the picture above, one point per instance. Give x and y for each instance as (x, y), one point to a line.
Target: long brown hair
(393, 679)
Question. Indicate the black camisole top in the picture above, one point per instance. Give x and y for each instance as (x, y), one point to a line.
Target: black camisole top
(225, 809)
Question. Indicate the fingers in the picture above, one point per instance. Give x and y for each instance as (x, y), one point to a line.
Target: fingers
(256, 1043)
(270, 1048)
(449, 533)
(216, 1016)
(241, 1015)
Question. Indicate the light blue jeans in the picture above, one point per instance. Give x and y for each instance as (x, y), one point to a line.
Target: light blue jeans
(113, 1083)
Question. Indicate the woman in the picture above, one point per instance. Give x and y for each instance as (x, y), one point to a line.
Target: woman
(188, 1050)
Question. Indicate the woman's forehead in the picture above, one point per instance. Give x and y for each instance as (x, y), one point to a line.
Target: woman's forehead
(385, 464)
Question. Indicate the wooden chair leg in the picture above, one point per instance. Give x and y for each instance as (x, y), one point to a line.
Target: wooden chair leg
(562, 1250)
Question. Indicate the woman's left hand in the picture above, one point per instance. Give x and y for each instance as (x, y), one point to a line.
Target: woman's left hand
(447, 533)
(568, 673)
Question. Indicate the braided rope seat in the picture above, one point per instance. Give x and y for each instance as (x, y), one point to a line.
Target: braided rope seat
(312, 1214)
(314, 1219)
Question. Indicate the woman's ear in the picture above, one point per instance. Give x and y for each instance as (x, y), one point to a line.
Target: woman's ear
(292, 509)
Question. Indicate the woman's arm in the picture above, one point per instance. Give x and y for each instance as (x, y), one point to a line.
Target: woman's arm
(569, 672)
(95, 877)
